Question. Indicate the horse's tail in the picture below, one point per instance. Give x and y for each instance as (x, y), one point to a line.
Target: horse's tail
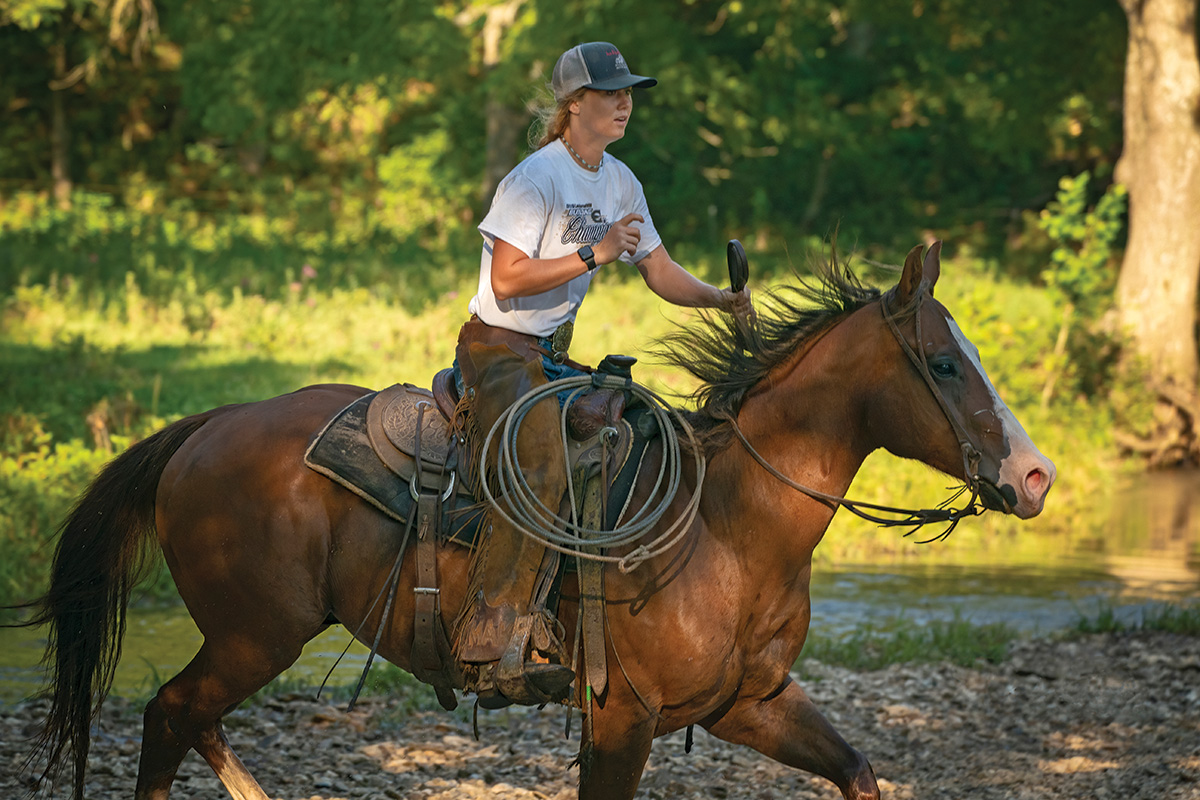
(103, 551)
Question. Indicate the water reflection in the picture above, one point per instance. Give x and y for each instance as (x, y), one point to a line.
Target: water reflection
(159, 643)
(1157, 526)
(1146, 552)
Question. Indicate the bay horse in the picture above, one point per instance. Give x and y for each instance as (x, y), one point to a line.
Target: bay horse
(267, 553)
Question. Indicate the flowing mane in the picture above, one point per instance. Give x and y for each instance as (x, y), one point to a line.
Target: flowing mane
(729, 364)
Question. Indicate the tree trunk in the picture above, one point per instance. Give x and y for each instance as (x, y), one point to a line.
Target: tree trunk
(503, 127)
(1160, 166)
(503, 121)
(60, 171)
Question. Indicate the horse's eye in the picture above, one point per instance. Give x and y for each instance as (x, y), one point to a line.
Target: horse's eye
(944, 369)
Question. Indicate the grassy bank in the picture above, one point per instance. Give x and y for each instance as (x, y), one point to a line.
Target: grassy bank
(89, 365)
(1166, 617)
(963, 642)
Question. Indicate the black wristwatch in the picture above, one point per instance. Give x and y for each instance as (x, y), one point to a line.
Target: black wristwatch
(588, 257)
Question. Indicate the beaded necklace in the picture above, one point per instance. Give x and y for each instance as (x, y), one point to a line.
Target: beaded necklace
(580, 159)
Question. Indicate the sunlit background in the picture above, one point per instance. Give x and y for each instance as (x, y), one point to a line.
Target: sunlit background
(205, 203)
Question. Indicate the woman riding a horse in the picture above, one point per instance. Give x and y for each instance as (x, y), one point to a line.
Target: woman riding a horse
(267, 552)
(567, 210)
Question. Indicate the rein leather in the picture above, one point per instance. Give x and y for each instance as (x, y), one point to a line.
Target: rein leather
(914, 518)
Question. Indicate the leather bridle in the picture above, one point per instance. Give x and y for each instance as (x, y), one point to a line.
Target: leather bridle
(971, 455)
(914, 518)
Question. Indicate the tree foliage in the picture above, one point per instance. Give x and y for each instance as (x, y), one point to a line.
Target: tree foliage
(368, 118)
(1082, 264)
(880, 116)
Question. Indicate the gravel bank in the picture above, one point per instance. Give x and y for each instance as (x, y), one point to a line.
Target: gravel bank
(1104, 716)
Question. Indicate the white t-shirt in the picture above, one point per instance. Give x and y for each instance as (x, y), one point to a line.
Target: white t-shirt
(548, 207)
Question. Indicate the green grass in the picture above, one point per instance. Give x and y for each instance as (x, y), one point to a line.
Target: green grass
(958, 641)
(137, 353)
(1165, 617)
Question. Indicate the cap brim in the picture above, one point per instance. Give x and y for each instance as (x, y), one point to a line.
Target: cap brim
(623, 82)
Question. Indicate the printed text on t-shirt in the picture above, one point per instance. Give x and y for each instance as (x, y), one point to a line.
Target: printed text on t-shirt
(584, 224)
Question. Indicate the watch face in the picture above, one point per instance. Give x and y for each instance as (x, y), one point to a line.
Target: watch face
(588, 256)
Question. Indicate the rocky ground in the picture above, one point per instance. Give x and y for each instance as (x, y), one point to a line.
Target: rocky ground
(1104, 716)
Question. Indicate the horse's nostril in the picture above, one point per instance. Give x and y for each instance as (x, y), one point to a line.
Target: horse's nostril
(1037, 482)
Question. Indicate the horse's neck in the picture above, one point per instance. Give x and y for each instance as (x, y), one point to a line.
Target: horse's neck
(763, 513)
(806, 427)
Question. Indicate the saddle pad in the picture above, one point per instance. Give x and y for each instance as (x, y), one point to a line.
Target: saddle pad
(343, 453)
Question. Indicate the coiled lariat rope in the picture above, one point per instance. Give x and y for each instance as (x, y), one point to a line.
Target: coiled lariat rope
(520, 506)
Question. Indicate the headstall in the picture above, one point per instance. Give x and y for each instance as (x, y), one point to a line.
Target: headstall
(914, 518)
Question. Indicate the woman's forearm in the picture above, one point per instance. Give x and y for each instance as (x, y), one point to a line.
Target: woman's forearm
(676, 285)
(515, 274)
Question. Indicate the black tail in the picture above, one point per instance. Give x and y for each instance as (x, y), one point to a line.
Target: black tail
(103, 551)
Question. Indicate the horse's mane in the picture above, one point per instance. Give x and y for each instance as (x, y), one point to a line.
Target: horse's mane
(729, 364)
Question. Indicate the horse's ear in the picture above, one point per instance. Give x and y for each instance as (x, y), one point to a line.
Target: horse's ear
(910, 278)
(932, 267)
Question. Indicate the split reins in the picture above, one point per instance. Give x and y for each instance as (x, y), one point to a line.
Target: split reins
(914, 518)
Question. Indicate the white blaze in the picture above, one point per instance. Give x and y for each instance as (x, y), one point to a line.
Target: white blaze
(1023, 455)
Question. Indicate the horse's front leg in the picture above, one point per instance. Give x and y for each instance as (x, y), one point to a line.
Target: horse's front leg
(786, 726)
(613, 751)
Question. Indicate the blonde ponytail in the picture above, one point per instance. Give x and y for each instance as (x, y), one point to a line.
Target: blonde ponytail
(552, 120)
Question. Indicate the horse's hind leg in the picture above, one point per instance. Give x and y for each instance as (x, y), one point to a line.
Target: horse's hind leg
(215, 749)
(786, 726)
(186, 714)
(163, 751)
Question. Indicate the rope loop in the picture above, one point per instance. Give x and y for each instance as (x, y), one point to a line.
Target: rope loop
(519, 505)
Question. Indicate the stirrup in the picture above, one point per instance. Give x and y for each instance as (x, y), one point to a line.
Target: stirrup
(538, 683)
(518, 679)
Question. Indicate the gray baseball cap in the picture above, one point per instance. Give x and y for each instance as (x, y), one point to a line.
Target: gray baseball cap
(595, 65)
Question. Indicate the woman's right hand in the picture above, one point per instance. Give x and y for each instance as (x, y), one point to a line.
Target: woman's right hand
(622, 237)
